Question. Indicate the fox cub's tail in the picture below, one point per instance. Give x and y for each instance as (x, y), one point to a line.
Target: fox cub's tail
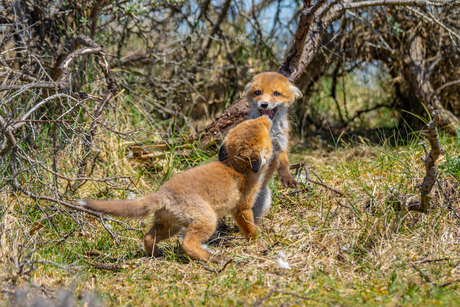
(127, 208)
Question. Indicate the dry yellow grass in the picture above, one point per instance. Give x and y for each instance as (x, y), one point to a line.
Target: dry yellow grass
(353, 250)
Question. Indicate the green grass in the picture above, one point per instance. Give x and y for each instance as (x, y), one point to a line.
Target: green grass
(345, 254)
(343, 251)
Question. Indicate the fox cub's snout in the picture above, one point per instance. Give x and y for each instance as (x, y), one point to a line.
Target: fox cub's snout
(270, 92)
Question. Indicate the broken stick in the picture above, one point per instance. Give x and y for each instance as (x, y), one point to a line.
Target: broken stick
(431, 169)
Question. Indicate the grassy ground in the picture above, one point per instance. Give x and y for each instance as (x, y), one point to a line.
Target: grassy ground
(342, 251)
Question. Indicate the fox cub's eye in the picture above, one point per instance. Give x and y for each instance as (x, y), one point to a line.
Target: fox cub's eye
(258, 93)
(276, 94)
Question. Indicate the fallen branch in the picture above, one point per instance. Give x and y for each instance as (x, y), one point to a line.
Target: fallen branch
(449, 283)
(298, 169)
(265, 251)
(427, 279)
(220, 271)
(430, 260)
(423, 275)
(262, 299)
(275, 290)
(107, 266)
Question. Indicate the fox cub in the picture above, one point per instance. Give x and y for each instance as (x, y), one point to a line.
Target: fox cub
(271, 94)
(199, 197)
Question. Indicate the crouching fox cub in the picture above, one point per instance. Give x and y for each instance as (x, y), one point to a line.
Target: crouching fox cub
(271, 94)
(199, 197)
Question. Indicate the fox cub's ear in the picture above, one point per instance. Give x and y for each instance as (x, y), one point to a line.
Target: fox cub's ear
(256, 163)
(223, 154)
(247, 87)
(295, 90)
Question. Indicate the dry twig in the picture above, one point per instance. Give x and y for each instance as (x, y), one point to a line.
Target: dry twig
(299, 166)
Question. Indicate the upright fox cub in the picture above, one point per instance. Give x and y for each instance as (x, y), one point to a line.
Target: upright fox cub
(199, 197)
(271, 94)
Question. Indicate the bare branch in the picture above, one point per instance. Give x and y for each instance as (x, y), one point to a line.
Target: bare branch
(22, 121)
(313, 40)
(439, 89)
(303, 165)
(9, 136)
(306, 17)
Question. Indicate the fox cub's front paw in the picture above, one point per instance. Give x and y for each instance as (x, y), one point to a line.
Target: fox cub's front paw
(289, 181)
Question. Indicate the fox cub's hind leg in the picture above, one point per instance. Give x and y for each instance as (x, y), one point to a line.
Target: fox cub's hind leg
(161, 230)
(195, 235)
(157, 233)
(262, 204)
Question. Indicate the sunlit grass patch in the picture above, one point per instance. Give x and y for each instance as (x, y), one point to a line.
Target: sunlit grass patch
(354, 250)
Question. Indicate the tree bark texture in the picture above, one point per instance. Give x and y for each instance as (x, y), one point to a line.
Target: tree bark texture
(416, 71)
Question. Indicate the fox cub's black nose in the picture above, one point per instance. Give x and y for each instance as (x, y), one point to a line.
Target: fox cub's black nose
(264, 104)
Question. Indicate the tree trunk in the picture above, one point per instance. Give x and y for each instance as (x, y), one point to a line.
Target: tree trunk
(416, 72)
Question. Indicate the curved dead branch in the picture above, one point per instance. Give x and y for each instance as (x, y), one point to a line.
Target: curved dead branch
(422, 204)
(216, 131)
(431, 170)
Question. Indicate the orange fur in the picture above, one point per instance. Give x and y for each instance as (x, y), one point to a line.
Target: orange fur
(271, 94)
(197, 198)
